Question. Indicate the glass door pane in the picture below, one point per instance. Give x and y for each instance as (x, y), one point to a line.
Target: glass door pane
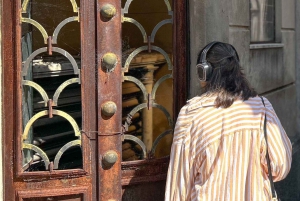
(51, 85)
(147, 90)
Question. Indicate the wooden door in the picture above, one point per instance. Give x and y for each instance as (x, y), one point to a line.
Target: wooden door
(49, 104)
(154, 88)
(91, 93)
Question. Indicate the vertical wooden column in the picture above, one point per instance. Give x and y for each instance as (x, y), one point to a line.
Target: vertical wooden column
(88, 90)
(148, 112)
(8, 100)
(109, 89)
(180, 54)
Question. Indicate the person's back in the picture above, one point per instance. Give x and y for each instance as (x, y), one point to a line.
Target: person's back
(219, 153)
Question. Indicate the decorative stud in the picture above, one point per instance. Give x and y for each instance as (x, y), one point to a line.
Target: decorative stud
(108, 108)
(109, 158)
(108, 11)
(109, 62)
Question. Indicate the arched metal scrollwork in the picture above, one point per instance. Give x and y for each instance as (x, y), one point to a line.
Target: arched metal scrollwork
(148, 91)
(144, 48)
(63, 149)
(55, 49)
(27, 136)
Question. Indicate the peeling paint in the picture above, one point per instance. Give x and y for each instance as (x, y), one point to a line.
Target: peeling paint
(1, 169)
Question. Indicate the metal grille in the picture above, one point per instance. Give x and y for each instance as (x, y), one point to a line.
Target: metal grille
(51, 127)
(140, 87)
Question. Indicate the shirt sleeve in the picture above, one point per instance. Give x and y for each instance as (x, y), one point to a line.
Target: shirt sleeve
(279, 146)
(179, 172)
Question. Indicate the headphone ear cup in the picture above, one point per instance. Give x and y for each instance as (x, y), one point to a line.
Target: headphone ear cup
(204, 71)
(208, 70)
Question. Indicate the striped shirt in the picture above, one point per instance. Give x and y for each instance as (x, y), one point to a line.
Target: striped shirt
(220, 154)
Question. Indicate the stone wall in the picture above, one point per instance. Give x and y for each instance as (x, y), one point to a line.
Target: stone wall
(270, 69)
(1, 168)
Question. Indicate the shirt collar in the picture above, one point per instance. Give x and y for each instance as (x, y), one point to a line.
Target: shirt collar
(201, 102)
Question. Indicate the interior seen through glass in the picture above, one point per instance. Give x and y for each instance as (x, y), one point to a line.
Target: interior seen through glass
(150, 67)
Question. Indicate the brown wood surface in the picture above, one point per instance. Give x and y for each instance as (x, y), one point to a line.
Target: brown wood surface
(7, 30)
(93, 95)
(181, 57)
(139, 178)
(18, 184)
(109, 89)
(89, 90)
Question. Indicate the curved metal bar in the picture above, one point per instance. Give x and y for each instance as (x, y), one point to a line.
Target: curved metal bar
(138, 141)
(39, 151)
(70, 120)
(139, 83)
(38, 26)
(132, 55)
(136, 23)
(168, 5)
(143, 48)
(38, 88)
(157, 140)
(74, 5)
(54, 49)
(73, 2)
(160, 24)
(158, 49)
(126, 7)
(62, 87)
(63, 23)
(145, 105)
(44, 113)
(24, 6)
(31, 121)
(63, 149)
(29, 59)
(131, 114)
(69, 56)
(157, 84)
(165, 111)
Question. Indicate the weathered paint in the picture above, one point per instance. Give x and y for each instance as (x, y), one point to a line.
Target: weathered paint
(109, 134)
(63, 182)
(1, 85)
(109, 89)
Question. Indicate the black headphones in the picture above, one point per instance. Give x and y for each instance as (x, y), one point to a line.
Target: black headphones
(204, 68)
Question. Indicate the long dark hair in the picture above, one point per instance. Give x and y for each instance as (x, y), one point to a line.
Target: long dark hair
(227, 81)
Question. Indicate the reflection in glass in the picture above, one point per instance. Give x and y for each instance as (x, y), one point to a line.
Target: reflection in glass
(262, 13)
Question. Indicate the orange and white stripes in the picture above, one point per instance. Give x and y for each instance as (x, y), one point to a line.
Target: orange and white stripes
(219, 154)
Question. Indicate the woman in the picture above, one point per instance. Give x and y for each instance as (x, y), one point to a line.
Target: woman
(219, 149)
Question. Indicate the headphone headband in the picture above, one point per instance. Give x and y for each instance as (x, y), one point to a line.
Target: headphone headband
(206, 49)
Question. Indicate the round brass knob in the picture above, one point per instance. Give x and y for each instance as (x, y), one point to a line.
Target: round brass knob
(108, 11)
(108, 108)
(110, 158)
(109, 61)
